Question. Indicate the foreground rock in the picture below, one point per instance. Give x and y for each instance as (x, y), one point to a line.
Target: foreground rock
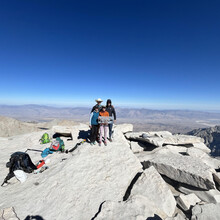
(187, 201)
(206, 212)
(183, 169)
(151, 185)
(136, 147)
(212, 162)
(210, 196)
(137, 207)
(8, 214)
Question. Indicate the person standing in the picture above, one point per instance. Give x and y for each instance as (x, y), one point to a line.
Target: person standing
(103, 125)
(93, 124)
(111, 110)
(99, 101)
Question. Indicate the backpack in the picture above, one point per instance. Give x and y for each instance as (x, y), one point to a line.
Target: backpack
(45, 138)
(18, 164)
(57, 145)
(21, 161)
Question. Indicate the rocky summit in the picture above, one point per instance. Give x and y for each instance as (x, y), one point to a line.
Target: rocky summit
(140, 175)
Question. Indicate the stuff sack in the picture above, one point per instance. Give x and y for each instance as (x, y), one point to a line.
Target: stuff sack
(20, 175)
(45, 138)
(57, 145)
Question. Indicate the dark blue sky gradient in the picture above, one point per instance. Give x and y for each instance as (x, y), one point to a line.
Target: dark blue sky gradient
(149, 53)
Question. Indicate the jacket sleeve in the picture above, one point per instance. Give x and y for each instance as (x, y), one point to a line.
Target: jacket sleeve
(114, 113)
(93, 108)
(90, 119)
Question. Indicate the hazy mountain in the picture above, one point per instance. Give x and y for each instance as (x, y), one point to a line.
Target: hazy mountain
(12, 127)
(176, 121)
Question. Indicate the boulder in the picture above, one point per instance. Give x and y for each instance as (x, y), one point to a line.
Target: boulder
(124, 128)
(163, 138)
(72, 131)
(133, 135)
(210, 196)
(202, 146)
(136, 147)
(151, 185)
(176, 149)
(195, 152)
(184, 169)
(63, 130)
(135, 208)
(118, 134)
(186, 201)
(8, 214)
(206, 212)
(176, 217)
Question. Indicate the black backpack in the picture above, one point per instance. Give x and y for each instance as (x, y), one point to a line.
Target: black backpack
(21, 161)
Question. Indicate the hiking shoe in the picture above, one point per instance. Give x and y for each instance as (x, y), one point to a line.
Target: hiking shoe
(94, 143)
(100, 144)
(110, 139)
(91, 143)
(105, 143)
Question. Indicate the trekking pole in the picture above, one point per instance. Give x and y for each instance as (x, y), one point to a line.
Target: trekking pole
(34, 150)
(74, 148)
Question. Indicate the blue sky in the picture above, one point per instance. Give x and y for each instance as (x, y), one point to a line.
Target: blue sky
(142, 53)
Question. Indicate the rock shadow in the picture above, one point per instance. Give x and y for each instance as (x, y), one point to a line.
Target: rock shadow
(61, 135)
(100, 208)
(128, 191)
(34, 217)
(41, 128)
(155, 217)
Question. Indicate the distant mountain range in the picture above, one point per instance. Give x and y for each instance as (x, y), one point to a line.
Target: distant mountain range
(211, 137)
(176, 121)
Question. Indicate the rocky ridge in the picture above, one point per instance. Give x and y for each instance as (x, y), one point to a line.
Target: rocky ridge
(211, 137)
(140, 175)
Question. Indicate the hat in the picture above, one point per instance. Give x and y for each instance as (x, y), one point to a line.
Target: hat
(98, 100)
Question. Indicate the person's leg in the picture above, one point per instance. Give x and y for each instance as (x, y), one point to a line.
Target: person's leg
(92, 136)
(101, 133)
(96, 128)
(106, 132)
(98, 133)
(110, 131)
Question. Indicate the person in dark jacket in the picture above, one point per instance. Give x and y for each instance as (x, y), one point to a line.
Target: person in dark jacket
(111, 110)
(99, 101)
(93, 124)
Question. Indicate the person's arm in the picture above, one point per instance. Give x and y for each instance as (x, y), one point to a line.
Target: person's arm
(114, 113)
(93, 108)
(90, 119)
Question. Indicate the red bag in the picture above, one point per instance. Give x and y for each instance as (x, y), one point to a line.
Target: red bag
(55, 145)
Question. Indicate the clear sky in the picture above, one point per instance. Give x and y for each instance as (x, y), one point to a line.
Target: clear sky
(140, 53)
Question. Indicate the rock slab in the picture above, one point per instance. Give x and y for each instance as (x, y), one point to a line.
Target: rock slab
(151, 185)
(206, 212)
(183, 169)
